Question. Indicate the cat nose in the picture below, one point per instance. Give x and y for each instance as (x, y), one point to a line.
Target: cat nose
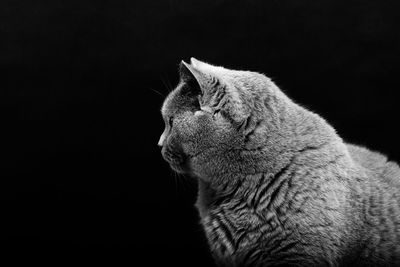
(161, 141)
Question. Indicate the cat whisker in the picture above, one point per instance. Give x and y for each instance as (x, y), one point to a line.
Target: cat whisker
(158, 92)
(170, 85)
(180, 180)
(167, 84)
(175, 181)
(187, 182)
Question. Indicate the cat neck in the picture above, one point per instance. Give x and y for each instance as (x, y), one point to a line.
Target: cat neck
(232, 187)
(244, 168)
(205, 198)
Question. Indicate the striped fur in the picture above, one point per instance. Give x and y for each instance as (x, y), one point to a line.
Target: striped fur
(277, 185)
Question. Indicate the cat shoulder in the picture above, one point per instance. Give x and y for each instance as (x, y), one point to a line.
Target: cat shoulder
(375, 162)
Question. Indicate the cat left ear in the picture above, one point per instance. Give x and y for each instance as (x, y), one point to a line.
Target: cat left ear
(191, 71)
(197, 63)
(187, 72)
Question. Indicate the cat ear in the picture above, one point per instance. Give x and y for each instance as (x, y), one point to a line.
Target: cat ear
(197, 63)
(196, 71)
(187, 72)
(216, 94)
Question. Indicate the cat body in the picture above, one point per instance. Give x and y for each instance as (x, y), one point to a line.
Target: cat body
(277, 185)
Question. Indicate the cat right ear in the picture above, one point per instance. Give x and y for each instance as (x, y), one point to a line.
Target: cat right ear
(185, 71)
(189, 73)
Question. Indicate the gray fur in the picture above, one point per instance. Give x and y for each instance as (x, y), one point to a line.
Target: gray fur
(277, 185)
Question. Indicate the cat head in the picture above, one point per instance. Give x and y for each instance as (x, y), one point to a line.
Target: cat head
(214, 115)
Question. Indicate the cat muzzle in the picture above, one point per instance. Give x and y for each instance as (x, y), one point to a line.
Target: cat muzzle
(176, 159)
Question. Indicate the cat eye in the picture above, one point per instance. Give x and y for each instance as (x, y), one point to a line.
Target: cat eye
(170, 121)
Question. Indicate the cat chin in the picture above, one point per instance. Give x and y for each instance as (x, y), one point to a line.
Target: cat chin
(181, 169)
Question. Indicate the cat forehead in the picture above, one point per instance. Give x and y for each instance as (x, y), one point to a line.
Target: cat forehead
(171, 102)
(243, 79)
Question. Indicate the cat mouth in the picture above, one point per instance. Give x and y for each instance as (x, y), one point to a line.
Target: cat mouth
(179, 168)
(177, 160)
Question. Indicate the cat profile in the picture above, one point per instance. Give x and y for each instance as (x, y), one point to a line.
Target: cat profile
(277, 185)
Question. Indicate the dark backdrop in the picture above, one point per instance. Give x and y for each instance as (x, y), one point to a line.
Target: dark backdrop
(81, 174)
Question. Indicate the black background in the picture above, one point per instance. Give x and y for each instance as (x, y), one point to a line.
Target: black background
(82, 178)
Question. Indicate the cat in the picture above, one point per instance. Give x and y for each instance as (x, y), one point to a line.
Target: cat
(276, 185)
